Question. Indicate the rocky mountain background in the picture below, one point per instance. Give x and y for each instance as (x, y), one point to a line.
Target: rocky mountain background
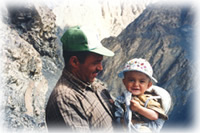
(31, 53)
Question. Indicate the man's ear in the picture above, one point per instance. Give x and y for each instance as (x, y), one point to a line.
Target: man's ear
(74, 62)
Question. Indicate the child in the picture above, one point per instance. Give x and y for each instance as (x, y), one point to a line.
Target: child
(147, 113)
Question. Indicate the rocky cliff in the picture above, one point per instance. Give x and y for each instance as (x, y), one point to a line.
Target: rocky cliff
(107, 17)
(32, 61)
(29, 55)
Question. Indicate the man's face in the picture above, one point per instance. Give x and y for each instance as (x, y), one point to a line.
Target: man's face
(90, 68)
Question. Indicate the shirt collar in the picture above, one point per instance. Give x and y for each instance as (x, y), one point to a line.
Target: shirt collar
(76, 81)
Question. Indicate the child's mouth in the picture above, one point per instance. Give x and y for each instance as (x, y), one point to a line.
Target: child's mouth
(135, 89)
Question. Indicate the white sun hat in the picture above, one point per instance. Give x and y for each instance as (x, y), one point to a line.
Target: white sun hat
(140, 65)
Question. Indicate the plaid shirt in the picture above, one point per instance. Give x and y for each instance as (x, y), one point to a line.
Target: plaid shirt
(75, 105)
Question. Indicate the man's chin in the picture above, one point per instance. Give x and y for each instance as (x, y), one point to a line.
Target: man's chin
(91, 80)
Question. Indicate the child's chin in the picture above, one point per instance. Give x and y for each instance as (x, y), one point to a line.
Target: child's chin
(135, 93)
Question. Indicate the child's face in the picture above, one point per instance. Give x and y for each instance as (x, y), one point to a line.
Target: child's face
(136, 82)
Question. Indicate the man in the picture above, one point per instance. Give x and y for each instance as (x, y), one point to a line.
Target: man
(79, 102)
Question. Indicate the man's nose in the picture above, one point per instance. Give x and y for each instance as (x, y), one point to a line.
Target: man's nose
(100, 67)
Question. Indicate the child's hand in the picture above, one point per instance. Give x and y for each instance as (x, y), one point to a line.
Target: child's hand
(134, 105)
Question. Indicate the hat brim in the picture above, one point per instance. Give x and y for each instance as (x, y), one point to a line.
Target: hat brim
(121, 75)
(102, 51)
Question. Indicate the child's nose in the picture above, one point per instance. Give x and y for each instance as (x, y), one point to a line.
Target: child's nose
(136, 83)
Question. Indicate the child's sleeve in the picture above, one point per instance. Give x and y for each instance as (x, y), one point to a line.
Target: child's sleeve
(156, 106)
(151, 102)
(119, 108)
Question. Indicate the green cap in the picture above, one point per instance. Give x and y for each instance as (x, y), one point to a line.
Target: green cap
(82, 39)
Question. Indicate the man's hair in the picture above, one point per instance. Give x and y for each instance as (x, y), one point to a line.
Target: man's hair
(81, 55)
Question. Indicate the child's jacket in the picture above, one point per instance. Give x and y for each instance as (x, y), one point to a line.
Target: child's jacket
(154, 98)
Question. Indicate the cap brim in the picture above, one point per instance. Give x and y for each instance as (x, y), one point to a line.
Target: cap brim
(102, 51)
(121, 75)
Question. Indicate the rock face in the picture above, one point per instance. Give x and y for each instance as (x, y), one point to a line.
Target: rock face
(26, 86)
(162, 35)
(107, 17)
(29, 49)
(32, 59)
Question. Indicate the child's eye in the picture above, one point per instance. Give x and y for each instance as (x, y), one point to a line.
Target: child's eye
(142, 81)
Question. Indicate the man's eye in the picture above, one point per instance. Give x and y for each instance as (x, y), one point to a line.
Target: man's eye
(95, 63)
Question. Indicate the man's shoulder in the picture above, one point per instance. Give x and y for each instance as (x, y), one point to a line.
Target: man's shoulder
(99, 85)
(63, 88)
